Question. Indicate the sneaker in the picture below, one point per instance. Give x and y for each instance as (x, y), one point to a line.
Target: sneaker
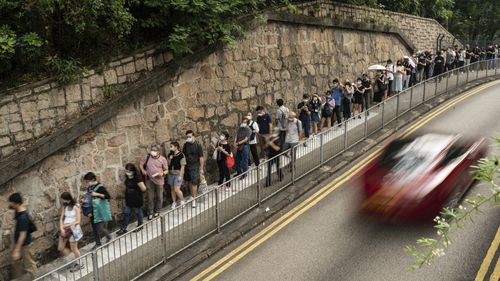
(108, 239)
(157, 214)
(173, 205)
(359, 116)
(121, 232)
(137, 229)
(193, 204)
(150, 217)
(183, 203)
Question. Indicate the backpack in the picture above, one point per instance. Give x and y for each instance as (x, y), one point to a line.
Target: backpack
(283, 117)
(87, 201)
(327, 110)
(252, 136)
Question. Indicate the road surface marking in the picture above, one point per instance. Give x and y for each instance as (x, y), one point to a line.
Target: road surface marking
(489, 257)
(312, 200)
(495, 276)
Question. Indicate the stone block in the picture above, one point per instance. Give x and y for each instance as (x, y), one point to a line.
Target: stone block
(97, 95)
(149, 62)
(206, 71)
(112, 156)
(47, 113)
(73, 93)
(110, 77)
(122, 79)
(117, 140)
(230, 121)
(241, 81)
(140, 64)
(119, 70)
(248, 93)
(15, 127)
(86, 92)
(203, 126)
(166, 93)
(7, 150)
(23, 136)
(162, 131)
(127, 59)
(97, 80)
(124, 121)
(182, 89)
(151, 113)
(29, 111)
(196, 113)
(57, 97)
(158, 60)
(129, 68)
(4, 140)
(42, 88)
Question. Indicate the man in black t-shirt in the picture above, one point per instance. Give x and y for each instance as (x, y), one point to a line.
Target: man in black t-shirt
(21, 256)
(195, 164)
(265, 127)
(305, 115)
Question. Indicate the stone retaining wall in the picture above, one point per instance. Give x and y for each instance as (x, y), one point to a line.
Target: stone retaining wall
(277, 60)
(422, 32)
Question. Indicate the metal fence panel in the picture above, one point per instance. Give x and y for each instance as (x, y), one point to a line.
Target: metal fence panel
(238, 196)
(404, 101)
(417, 94)
(308, 156)
(390, 108)
(374, 120)
(276, 175)
(355, 129)
(333, 141)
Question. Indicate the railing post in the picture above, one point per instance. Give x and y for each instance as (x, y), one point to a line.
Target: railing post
(164, 237)
(487, 67)
(425, 89)
(496, 66)
(411, 98)
(436, 84)
(467, 77)
(447, 82)
(217, 209)
(259, 186)
(345, 133)
(366, 124)
(458, 75)
(383, 110)
(292, 162)
(397, 109)
(321, 149)
(477, 69)
(95, 266)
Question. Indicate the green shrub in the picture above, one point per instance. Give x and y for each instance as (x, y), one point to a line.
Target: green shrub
(67, 70)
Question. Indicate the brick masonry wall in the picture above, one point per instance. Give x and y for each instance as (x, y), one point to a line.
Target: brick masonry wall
(30, 112)
(422, 32)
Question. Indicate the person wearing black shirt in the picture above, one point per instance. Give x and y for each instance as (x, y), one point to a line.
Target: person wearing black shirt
(98, 191)
(368, 95)
(134, 189)
(359, 91)
(420, 68)
(221, 152)
(195, 164)
(273, 150)
(305, 115)
(265, 127)
(429, 65)
(22, 260)
(438, 64)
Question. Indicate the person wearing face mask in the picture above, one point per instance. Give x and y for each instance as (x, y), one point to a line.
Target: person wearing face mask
(265, 127)
(347, 99)
(315, 108)
(241, 143)
(305, 115)
(100, 213)
(194, 164)
(154, 167)
(69, 227)
(252, 142)
(358, 98)
(134, 189)
(336, 95)
(293, 131)
(398, 77)
(176, 167)
(22, 260)
(221, 152)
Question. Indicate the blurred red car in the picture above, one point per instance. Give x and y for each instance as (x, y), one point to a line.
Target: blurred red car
(415, 177)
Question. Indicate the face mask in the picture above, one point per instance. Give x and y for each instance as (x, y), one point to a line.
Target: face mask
(306, 101)
(65, 202)
(172, 149)
(189, 139)
(359, 83)
(243, 125)
(91, 183)
(249, 117)
(335, 85)
(222, 137)
(129, 173)
(290, 119)
(154, 153)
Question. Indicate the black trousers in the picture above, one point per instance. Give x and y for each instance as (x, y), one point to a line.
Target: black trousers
(336, 115)
(224, 173)
(97, 229)
(255, 155)
(275, 161)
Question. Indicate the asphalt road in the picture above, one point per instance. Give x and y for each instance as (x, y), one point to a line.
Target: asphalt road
(332, 241)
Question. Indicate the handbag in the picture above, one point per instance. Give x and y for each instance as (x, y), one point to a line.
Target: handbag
(77, 232)
(229, 161)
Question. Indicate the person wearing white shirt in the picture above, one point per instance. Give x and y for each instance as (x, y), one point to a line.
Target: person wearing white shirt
(253, 139)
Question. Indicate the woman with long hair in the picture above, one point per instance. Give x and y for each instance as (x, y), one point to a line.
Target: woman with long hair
(69, 227)
(134, 189)
(176, 168)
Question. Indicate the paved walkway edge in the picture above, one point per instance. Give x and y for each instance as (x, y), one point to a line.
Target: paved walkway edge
(196, 254)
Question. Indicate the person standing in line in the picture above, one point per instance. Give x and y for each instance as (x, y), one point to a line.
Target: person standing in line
(281, 119)
(336, 95)
(408, 70)
(399, 71)
(69, 228)
(380, 87)
(438, 65)
(100, 214)
(221, 152)
(134, 190)
(273, 150)
(390, 76)
(241, 143)
(176, 169)
(305, 115)
(22, 260)
(368, 94)
(429, 65)
(359, 91)
(420, 67)
(327, 107)
(293, 131)
(154, 168)
(347, 99)
(265, 127)
(252, 142)
(315, 108)
(195, 164)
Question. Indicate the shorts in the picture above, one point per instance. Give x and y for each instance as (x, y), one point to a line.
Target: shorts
(174, 180)
(315, 117)
(192, 175)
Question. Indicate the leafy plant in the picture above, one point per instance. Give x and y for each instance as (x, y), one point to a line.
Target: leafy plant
(67, 70)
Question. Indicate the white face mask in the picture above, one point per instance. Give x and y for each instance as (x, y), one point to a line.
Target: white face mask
(249, 117)
(189, 139)
(243, 125)
(129, 173)
(222, 137)
(172, 149)
(154, 153)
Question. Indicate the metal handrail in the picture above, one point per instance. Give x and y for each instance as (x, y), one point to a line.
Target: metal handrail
(131, 255)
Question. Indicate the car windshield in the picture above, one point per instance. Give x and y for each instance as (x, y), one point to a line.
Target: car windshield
(414, 155)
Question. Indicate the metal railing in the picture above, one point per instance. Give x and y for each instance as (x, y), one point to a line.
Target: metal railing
(129, 256)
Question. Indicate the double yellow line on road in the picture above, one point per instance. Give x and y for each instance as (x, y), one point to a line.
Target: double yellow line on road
(235, 255)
